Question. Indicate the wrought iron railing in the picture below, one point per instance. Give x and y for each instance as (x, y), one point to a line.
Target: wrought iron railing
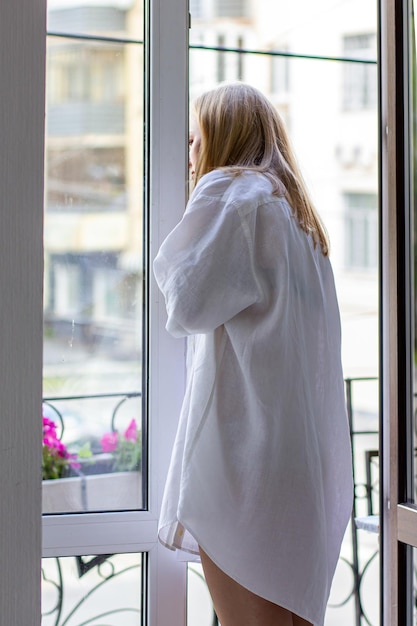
(55, 402)
(365, 502)
(76, 590)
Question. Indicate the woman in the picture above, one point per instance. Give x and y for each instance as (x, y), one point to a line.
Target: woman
(260, 482)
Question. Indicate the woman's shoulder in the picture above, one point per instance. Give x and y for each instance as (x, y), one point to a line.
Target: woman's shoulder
(235, 186)
(214, 183)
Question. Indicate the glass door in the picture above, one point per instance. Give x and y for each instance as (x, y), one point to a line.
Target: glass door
(115, 127)
(320, 72)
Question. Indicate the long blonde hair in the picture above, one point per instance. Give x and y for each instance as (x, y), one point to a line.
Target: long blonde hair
(240, 130)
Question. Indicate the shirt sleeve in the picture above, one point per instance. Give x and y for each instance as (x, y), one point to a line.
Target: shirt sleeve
(205, 268)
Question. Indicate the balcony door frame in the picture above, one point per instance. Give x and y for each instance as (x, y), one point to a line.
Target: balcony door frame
(399, 513)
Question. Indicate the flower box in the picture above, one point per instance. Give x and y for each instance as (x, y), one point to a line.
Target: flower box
(100, 492)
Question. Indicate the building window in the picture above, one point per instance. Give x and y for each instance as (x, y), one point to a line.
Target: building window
(91, 19)
(280, 73)
(196, 9)
(87, 92)
(99, 293)
(361, 222)
(221, 61)
(86, 179)
(359, 79)
(231, 8)
(86, 73)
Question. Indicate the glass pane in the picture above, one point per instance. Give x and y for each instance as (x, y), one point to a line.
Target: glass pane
(92, 410)
(200, 610)
(120, 19)
(329, 105)
(93, 590)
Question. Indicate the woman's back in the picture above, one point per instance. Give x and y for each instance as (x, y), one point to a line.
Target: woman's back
(264, 445)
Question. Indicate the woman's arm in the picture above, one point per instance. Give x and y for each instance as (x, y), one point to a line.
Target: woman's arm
(205, 267)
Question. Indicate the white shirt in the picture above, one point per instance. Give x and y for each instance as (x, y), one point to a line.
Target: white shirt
(260, 474)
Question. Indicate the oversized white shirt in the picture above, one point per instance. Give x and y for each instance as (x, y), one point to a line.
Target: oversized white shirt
(260, 474)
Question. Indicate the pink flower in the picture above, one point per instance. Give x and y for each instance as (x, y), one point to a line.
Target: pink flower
(131, 432)
(109, 442)
(49, 427)
(125, 447)
(55, 456)
(49, 440)
(50, 437)
(72, 462)
(61, 449)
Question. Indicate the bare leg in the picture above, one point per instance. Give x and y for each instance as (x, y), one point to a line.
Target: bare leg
(237, 606)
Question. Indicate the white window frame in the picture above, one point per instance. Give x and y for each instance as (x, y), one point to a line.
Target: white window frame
(22, 78)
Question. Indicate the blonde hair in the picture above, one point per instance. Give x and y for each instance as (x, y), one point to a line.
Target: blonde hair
(240, 130)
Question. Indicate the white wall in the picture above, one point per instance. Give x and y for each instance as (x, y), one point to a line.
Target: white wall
(22, 37)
